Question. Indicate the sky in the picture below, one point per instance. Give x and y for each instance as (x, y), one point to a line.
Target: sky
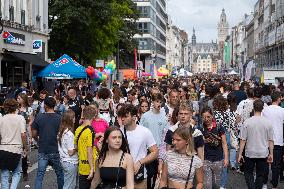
(204, 15)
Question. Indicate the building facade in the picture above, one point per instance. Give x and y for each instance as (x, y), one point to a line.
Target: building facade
(258, 40)
(203, 64)
(153, 25)
(200, 52)
(269, 35)
(23, 44)
(177, 47)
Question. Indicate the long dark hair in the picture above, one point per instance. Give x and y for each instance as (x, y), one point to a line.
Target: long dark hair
(117, 94)
(232, 101)
(124, 146)
(66, 123)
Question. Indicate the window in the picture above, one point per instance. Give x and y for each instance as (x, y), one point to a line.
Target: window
(272, 8)
(143, 27)
(23, 17)
(143, 44)
(140, 26)
(146, 30)
(11, 13)
(144, 11)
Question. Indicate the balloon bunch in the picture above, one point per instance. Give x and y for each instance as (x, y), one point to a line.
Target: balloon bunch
(100, 76)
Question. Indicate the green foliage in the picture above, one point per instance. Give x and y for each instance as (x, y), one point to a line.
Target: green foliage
(91, 29)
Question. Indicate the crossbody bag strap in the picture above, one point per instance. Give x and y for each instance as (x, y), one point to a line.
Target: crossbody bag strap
(188, 176)
(125, 135)
(118, 171)
(92, 131)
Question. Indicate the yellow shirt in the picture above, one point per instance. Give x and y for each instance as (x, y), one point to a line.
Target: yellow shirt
(84, 142)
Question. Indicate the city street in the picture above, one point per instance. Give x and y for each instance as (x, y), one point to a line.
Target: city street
(236, 180)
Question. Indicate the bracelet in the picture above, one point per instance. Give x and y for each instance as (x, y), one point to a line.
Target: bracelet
(140, 162)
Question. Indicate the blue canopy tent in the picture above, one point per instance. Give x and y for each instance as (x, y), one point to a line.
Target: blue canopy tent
(63, 68)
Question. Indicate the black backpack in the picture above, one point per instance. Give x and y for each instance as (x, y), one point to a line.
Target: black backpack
(92, 131)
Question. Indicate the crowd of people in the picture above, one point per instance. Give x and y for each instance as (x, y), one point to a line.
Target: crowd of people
(184, 132)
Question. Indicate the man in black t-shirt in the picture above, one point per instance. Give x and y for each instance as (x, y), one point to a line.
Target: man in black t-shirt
(241, 95)
(44, 130)
(75, 103)
(185, 120)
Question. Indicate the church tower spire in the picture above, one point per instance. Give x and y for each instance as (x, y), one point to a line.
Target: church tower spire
(223, 27)
(193, 38)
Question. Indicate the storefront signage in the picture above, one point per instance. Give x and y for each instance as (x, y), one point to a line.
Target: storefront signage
(13, 38)
(37, 45)
(100, 63)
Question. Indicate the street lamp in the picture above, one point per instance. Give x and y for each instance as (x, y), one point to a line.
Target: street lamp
(120, 33)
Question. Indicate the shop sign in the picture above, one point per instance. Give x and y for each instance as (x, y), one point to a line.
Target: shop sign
(13, 38)
(100, 63)
(37, 45)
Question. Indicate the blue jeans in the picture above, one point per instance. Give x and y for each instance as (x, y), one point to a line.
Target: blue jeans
(43, 160)
(70, 175)
(233, 161)
(16, 177)
(232, 151)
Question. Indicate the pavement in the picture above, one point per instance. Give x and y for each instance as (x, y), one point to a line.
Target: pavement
(236, 180)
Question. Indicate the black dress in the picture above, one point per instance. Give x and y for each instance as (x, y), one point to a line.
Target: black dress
(113, 177)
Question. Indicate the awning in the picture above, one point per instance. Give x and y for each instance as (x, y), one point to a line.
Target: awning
(31, 58)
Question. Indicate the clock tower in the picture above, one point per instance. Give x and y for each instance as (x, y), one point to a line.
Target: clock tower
(223, 28)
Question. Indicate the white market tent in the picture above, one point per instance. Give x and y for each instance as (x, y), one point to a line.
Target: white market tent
(183, 72)
(233, 72)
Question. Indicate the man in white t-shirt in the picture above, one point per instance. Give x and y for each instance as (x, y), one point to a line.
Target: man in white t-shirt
(140, 139)
(275, 114)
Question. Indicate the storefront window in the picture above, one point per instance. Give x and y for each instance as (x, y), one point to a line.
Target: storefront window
(11, 13)
(23, 14)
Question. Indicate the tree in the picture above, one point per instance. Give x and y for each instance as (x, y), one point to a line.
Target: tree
(89, 30)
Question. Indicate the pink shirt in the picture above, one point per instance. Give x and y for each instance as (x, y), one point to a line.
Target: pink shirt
(99, 126)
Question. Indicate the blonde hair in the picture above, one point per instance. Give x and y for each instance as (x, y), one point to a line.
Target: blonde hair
(186, 134)
(185, 107)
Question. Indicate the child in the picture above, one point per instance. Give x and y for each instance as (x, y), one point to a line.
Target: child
(84, 140)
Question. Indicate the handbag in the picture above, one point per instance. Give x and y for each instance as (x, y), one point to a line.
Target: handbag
(152, 168)
(139, 176)
(110, 186)
(188, 176)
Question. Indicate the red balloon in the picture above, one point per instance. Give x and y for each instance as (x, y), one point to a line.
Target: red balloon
(88, 71)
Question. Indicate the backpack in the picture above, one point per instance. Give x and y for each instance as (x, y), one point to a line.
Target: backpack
(92, 131)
